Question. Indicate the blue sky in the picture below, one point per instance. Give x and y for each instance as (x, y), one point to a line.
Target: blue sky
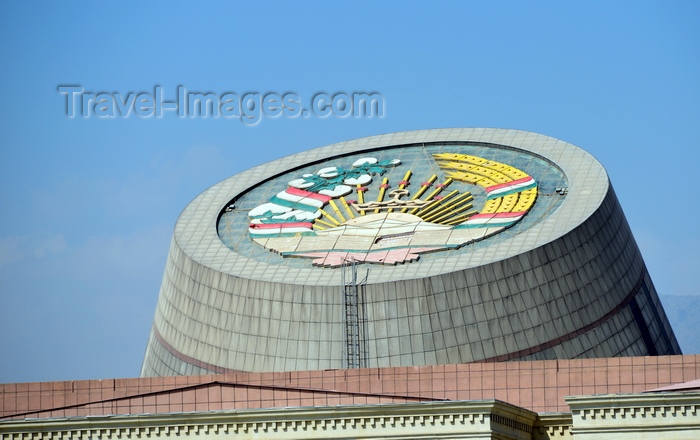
(88, 204)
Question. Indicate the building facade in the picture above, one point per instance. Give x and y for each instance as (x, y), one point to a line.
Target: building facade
(499, 400)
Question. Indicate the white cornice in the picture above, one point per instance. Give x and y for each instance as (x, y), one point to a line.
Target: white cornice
(424, 420)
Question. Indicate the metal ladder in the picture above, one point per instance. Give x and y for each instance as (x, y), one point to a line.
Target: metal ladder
(355, 344)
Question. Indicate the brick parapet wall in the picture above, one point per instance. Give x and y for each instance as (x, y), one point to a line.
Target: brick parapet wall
(539, 386)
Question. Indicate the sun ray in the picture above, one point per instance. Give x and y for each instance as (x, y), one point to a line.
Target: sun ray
(424, 187)
(403, 183)
(439, 188)
(450, 205)
(436, 191)
(329, 217)
(382, 191)
(433, 204)
(323, 222)
(361, 195)
(347, 207)
(337, 211)
(453, 211)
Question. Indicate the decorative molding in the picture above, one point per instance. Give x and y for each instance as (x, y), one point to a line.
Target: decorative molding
(424, 420)
(553, 426)
(667, 415)
(640, 411)
(496, 418)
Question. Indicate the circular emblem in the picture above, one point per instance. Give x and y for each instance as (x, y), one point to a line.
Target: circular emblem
(354, 211)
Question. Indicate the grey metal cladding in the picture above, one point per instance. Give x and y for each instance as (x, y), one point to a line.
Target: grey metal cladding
(572, 285)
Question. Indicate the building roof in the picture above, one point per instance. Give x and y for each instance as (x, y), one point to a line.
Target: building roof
(196, 228)
(692, 385)
(538, 386)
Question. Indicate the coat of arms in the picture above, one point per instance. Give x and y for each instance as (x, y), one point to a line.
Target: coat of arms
(340, 214)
